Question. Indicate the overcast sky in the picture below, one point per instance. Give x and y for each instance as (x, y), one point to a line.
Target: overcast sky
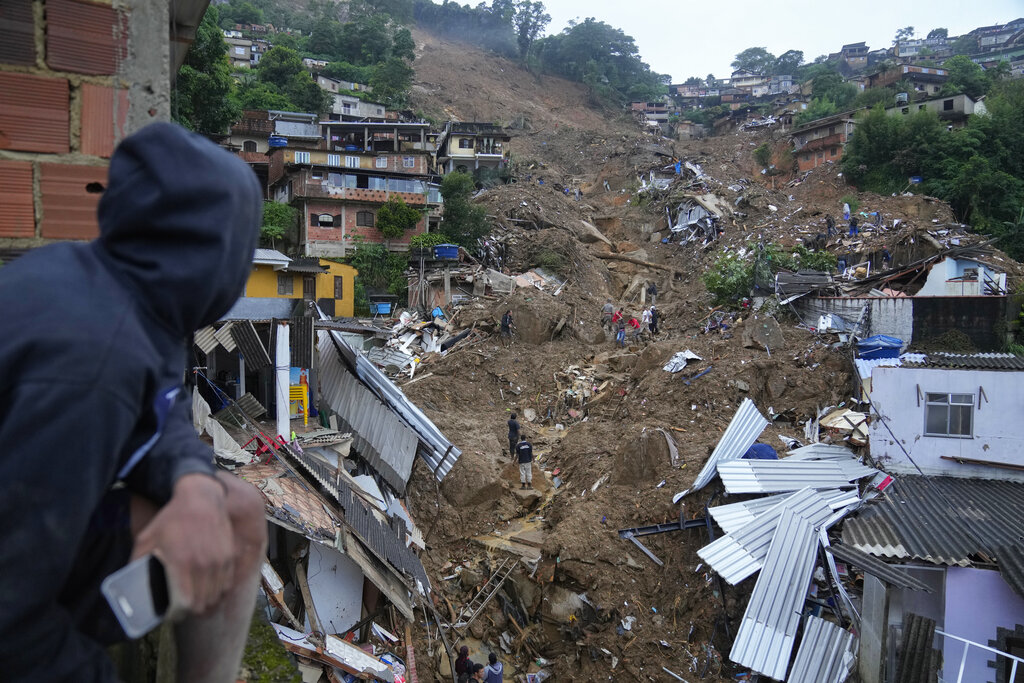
(685, 38)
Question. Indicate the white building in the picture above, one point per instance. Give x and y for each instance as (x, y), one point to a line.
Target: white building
(962, 277)
(950, 414)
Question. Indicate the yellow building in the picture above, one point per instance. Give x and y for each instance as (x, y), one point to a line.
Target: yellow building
(276, 276)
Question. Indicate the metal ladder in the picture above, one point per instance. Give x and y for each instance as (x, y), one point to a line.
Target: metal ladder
(475, 608)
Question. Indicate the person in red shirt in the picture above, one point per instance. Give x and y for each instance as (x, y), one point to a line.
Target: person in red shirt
(634, 327)
(617, 317)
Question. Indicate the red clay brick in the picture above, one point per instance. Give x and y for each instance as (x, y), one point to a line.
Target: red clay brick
(69, 210)
(98, 119)
(84, 37)
(17, 27)
(33, 113)
(17, 212)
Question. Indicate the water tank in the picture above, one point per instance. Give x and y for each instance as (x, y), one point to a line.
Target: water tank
(902, 98)
(446, 252)
(277, 141)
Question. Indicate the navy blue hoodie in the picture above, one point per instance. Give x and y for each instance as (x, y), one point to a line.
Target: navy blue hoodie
(92, 358)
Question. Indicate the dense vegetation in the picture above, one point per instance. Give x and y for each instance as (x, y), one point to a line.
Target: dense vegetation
(978, 169)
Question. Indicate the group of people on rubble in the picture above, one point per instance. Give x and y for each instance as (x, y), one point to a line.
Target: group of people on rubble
(616, 320)
(466, 670)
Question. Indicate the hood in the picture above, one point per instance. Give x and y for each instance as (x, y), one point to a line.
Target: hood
(180, 220)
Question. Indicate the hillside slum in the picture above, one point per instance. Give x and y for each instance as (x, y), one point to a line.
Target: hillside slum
(721, 500)
(612, 580)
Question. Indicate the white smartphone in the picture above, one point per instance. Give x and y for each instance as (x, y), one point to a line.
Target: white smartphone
(138, 595)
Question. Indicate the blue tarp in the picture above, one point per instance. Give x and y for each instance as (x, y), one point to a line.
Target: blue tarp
(761, 451)
(879, 346)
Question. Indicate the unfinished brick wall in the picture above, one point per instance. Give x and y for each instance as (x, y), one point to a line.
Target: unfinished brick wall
(66, 74)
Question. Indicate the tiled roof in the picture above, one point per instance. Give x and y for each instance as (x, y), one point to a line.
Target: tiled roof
(944, 520)
(970, 361)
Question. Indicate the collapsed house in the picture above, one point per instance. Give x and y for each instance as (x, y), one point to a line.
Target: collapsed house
(859, 571)
(343, 577)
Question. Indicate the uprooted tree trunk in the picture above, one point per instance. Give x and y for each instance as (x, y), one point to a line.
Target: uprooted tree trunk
(629, 259)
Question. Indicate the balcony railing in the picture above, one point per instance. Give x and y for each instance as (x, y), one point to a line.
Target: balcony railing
(968, 644)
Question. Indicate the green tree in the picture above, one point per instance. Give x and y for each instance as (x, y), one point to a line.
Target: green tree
(202, 96)
(965, 45)
(905, 33)
(818, 109)
(964, 77)
(391, 81)
(528, 22)
(283, 79)
(788, 62)
(278, 220)
(938, 33)
(402, 45)
(694, 80)
(324, 40)
(236, 12)
(755, 60)
(464, 221)
(254, 94)
(831, 86)
(278, 65)
(394, 217)
(711, 81)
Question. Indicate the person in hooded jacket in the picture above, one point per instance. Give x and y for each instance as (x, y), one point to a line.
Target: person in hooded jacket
(100, 461)
(493, 672)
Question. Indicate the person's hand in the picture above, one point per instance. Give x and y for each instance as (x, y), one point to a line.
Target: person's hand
(192, 536)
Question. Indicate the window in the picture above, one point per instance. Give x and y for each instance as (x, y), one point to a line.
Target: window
(334, 160)
(807, 157)
(339, 287)
(324, 220)
(352, 162)
(284, 284)
(465, 143)
(832, 152)
(249, 146)
(831, 130)
(408, 162)
(365, 219)
(381, 162)
(316, 174)
(949, 415)
(302, 157)
(239, 50)
(947, 105)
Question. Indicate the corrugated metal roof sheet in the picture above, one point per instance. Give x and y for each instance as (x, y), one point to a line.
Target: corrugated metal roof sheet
(249, 343)
(270, 257)
(386, 357)
(772, 476)
(305, 265)
(821, 451)
(379, 435)
(768, 629)
(743, 430)
(945, 520)
(826, 655)
(436, 450)
(970, 361)
(733, 516)
(260, 309)
(206, 339)
(300, 338)
(223, 335)
(876, 567)
(1011, 565)
(737, 555)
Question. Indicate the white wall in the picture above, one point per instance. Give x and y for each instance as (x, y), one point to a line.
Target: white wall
(937, 283)
(966, 589)
(998, 427)
(891, 316)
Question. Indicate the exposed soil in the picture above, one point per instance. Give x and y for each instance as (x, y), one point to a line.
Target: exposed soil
(598, 408)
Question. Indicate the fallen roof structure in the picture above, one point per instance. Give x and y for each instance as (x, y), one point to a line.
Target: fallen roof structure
(736, 556)
(768, 629)
(773, 476)
(877, 568)
(734, 516)
(743, 430)
(826, 653)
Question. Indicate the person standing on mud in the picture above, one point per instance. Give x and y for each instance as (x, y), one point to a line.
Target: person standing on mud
(524, 451)
(652, 292)
(506, 328)
(513, 434)
(606, 314)
(654, 320)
